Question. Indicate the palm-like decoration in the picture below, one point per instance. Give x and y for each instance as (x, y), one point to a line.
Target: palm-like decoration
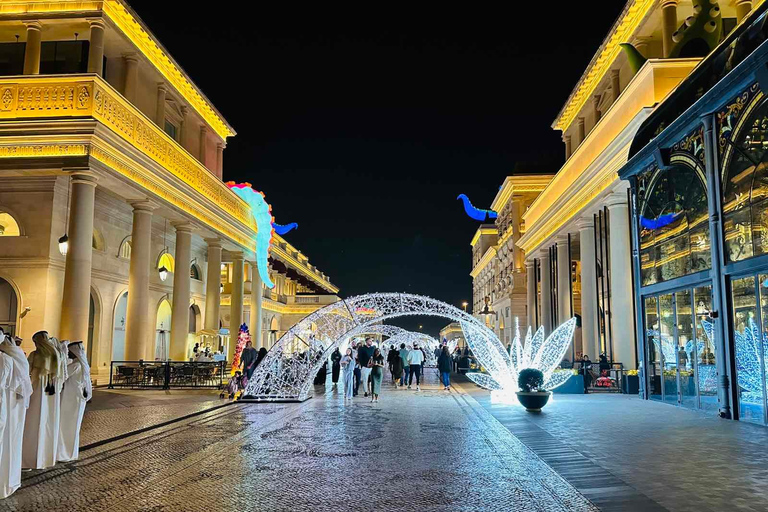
(538, 352)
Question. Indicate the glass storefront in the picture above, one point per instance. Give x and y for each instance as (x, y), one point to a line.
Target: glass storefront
(680, 348)
(749, 297)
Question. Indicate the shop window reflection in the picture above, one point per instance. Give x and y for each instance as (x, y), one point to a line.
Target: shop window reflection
(674, 223)
(745, 190)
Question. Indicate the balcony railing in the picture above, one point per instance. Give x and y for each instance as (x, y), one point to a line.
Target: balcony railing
(77, 96)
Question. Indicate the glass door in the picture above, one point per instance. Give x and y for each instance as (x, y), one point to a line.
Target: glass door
(749, 346)
(679, 341)
(653, 346)
(667, 334)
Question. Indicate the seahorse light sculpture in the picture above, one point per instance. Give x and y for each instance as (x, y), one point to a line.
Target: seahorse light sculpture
(476, 213)
(262, 214)
(696, 37)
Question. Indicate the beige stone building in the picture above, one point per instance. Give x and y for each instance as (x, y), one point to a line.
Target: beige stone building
(498, 273)
(105, 139)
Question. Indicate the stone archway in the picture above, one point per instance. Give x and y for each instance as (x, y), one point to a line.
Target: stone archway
(287, 371)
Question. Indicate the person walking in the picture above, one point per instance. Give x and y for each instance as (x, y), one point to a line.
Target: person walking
(415, 359)
(348, 364)
(364, 355)
(397, 368)
(248, 360)
(444, 364)
(406, 364)
(391, 355)
(377, 374)
(357, 368)
(336, 366)
(586, 365)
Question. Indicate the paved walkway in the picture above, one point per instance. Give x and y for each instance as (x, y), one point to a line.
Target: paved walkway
(625, 453)
(116, 412)
(429, 451)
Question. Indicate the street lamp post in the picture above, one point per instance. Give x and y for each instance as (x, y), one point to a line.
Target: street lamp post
(464, 305)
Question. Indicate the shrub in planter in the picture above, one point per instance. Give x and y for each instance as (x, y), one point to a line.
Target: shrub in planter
(532, 394)
(530, 380)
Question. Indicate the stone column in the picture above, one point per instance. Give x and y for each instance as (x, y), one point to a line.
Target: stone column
(182, 126)
(590, 343)
(96, 47)
(615, 84)
(32, 51)
(620, 254)
(137, 324)
(257, 296)
(180, 314)
(131, 83)
(213, 285)
(568, 146)
(596, 107)
(530, 291)
(76, 301)
(236, 302)
(743, 8)
(518, 255)
(564, 312)
(160, 108)
(668, 25)
(220, 160)
(582, 130)
(203, 144)
(546, 292)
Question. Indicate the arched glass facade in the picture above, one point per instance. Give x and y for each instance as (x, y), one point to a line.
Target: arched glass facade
(673, 223)
(745, 189)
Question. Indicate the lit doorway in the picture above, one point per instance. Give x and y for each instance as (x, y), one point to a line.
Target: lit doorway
(118, 328)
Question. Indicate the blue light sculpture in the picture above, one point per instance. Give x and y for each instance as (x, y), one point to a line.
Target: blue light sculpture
(476, 213)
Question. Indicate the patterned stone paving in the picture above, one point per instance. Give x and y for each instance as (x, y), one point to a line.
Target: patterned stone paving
(428, 451)
(113, 413)
(677, 459)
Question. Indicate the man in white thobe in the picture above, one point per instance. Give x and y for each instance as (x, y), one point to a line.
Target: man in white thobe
(17, 398)
(77, 391)
(6, 369)
(41, 430)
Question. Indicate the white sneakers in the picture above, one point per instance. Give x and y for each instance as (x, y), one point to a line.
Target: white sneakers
(418, 388)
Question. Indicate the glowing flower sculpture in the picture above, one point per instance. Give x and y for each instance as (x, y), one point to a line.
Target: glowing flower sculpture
(537, 352)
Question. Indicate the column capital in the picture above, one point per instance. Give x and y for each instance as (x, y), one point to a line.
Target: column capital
(585, 223)
(669, 3)
(614, 73)
(580, 121)
(81, 175)
(203, 129)
(33, 25)
(237, 256)
(184, 110)
(220, 146)
(562, 240)
(213, 243)
(544, 253)
(162, 87)
(617, 199)
(131, 57)
(529, 263)
(182, 226)
(96, 23)
(143, 206)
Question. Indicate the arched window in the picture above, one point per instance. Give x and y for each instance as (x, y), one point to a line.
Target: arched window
(194, 272)
(125, 248)
(745, 189)
(674, 223)
(97, 242)
(8, 225)
(8, 304)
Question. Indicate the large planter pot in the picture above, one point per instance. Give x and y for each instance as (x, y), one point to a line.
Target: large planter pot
(534, 401)
(632, 384)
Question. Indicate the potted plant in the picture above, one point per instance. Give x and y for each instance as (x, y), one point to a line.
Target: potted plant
(631, 382)
(532, 394)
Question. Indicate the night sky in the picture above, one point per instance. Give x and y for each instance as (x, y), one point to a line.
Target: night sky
(363, 126)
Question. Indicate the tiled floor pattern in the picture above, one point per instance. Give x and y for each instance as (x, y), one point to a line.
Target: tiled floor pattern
(680, 459)
(428, 451)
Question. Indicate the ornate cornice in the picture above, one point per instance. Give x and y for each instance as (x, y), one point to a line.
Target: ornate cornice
(129, 24)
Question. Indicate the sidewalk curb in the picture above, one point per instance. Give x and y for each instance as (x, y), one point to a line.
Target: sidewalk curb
(152, 427)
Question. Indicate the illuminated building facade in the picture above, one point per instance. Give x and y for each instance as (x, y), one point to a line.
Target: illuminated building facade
(635, 217)
(498, 264)
(452, 332)
(697, 169)
(105, 139)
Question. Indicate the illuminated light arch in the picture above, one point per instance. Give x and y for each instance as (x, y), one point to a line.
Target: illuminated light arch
(396, 336)
(288, 369)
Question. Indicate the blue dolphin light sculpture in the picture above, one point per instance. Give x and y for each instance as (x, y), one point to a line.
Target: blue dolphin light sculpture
(476, 213)
(282, 229)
